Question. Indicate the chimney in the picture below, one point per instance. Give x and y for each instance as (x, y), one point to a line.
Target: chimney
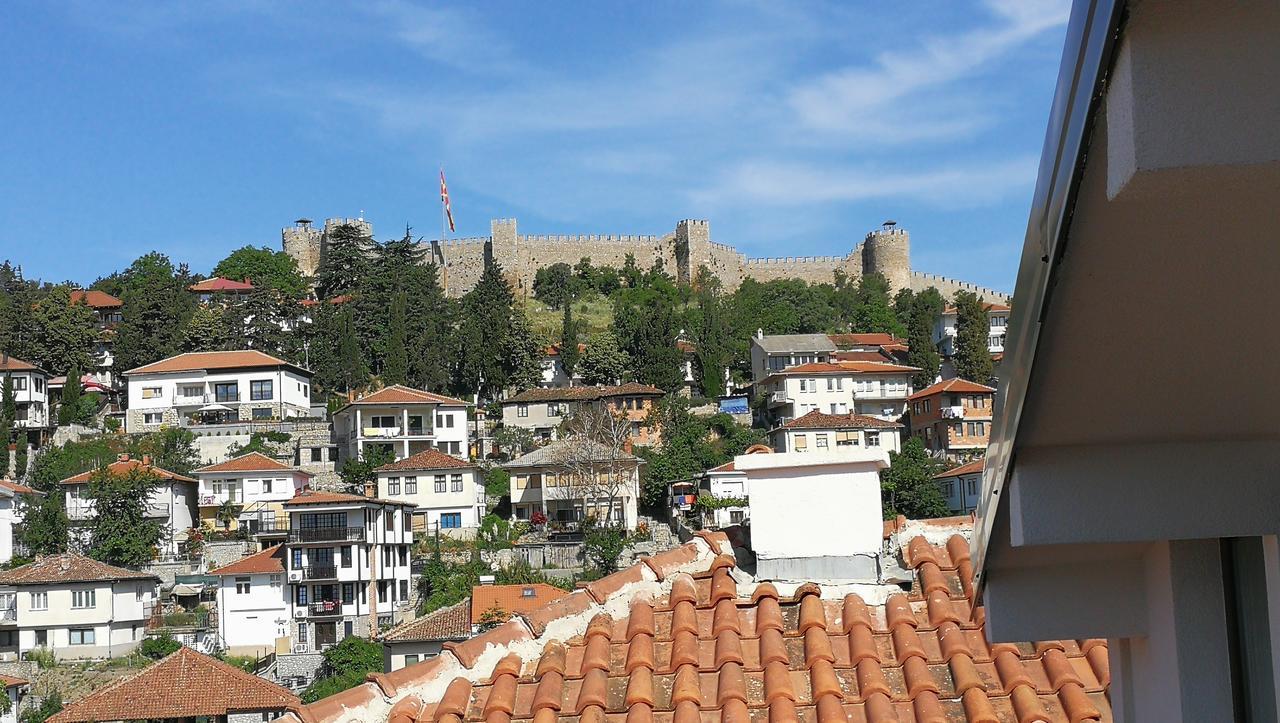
(122, 457)
(146, 460)
(487, 579)
(759, 333)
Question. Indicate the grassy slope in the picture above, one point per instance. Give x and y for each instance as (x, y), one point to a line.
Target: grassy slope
(594, 315)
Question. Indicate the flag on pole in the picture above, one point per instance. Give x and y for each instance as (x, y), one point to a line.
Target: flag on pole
(444, 199)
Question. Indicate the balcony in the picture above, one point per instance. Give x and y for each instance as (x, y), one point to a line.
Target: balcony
(325, 609)
(9, 614)
(158, 510)
(779, 397)
(376, 432)
(956, 412)
(320, 572)
(266, 528)
(199, 400)
(326, 534)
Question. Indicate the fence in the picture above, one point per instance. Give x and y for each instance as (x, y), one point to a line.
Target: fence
(551, 554)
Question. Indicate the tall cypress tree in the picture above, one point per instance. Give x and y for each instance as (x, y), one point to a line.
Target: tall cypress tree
(486, 326)
(346, 261)
(973, 356)
(711, 334)
(395, 369)
(69, 404)
(921, 353)
(569, 353)
(8, 411)
(352, 371)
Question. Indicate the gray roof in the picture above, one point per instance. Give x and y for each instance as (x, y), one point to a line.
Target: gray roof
(779, 343)
(553, 454)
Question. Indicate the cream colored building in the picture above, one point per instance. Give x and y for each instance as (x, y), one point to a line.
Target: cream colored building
(448, 494)
(255, 487)
(877, 389)
(569, 480)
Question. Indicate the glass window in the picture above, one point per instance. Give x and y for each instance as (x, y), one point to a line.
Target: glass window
(315, 454)
(439, 483)
(410, 659)
(451, 520)
(348, 593)
(346, 555)
(260, 389)
(873, 439)
(456, 483)
(820, 441)
(393, 485)
(522, 410)
(266, 486)
(389, 519)
(82, 636)
(83, 598)
(553, 409)
(411, 485)
(262, 413)
(302, 595)
(384, 421)
(39, 601)
(242, 586)
(152, 417)
(147, 392)
(403, 554)
(297, 559)
(226, 392)
(404, 589)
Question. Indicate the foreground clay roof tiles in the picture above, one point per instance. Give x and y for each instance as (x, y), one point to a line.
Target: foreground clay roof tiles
(677, 639)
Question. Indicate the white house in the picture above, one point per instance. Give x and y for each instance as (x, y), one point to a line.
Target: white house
(109, 312)
(423, 638)
(877, 389)
(16, 689)
(347, 560)
(402, 420)
(570, 479)
(257, 487)
(944, 328)
(216, 387)
(30, 392)
(74, 606)
(819, 432)
(962, 486)
(13, 501)
(836, 494)
(542, 411)
(447, 493)
(172, 500)
(253, 604)
(777, 352)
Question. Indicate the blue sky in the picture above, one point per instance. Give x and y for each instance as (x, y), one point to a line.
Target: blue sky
(794, 127)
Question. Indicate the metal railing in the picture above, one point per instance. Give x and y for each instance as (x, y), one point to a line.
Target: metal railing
(325, 534)
(324, 608)
(319, 572)
(9, 614)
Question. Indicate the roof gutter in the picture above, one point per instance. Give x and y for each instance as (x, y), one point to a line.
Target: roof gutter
(1087, 58)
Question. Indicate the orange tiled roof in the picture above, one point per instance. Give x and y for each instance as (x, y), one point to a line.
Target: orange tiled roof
(186, 684)
(210, 360)
(876, 339)
(864, 356)
(987, 307)
(585, 393)
(511, 599)
(252, 462)
(976, 466)
(818, 420)
(955, 384)
(96, 299)
(426, 459)
(313, 497)
(677, 639)
(18, 489)
(218, 283)
(726, 467)
(451, 623)
(400, 394)
(846, 367)
(124, 465)
(268, 560)
(14, 364)
(10, 681)
(68, 567)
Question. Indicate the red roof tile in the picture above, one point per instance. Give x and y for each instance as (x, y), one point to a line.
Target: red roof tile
(124, 465)
(268, 560)
(675, 639)
(313, 497)
(726, 467)
(252, 462)
(96, 299)
(14, 364)
(584, 393)
(873, 339)
(18, 489)
(955, 384)
(845, 367)
(68, 567)
(863, 356)
(987, 307)
(10, 681)
(511, 599)
(426, 459)
(819, 420)
(400, 394)
(210, 360)
(218, 283)
(185, 684)
(450, 623)
(976, 466)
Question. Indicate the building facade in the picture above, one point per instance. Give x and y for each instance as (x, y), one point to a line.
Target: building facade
(216, 387)
(944, 329)
(819, 432)
(875, 389)
(571, 479)
(542, 411)
(109, 312)
(30, 393)
(402, 421)
(253, 604)
(172, 500)
(14, 499)
(953, 418)
(448, 494)
(962, 486)
(249, 491)
(423, 638)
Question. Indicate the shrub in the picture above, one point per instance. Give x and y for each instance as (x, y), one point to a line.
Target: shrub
(158, 647)
(43, 658)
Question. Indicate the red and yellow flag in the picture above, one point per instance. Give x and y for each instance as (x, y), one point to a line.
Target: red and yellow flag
(444, 199)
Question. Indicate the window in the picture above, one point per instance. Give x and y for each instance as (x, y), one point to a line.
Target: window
(926, 405)
(456, 483)
(83, 598)
(302, 634)
(847, 438)
(835, 384)
(383, 421)
(973, 487)
(873, 439)
(386, 557)
(297, 559)
(389, 520)
(522, 410)
(382, 591)
(439, 483)
(735, 517)
(403, 554)
(242, 586)
(276, 579)
(315, 454)
(839, 408)
(410, 659)
(444, 420)
(802, 442)
(348, 593)
(147, 392)
(553, 409)
(408, 521)
(82, 636)
(346, 555)
(820, 441)
(301, 596)
(262, 413)
(451, 520)
(404, 589)
(411, 485)
(152, 417)
(192, 392)
(226, 392)
(260, 389)
(948, 489)
(393, 485)
(266, 486)
(39, 601)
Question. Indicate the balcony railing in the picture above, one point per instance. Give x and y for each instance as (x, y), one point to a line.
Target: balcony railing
(195, 400)
(381, 431)
(319, 572)
(266, 527)
(325, 534)
(9, 614)
(779, 397)
(324, 608)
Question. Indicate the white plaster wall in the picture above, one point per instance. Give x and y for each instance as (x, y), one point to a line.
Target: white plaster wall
(254, 619)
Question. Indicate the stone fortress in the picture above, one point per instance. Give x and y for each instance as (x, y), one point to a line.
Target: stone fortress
(886, 250)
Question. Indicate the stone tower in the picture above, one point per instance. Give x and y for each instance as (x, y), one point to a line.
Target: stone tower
(304, 244)
(887, 251)
(692, 248)
(504, 244)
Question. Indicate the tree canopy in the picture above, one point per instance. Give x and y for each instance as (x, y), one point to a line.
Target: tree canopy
(264, 268)
(907, 487)
(972, 352)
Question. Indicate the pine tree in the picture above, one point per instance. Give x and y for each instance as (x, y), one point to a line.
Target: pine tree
(157, 306)
(485, 328)
(921, 352)
(206, 330)
(645, 324)
(69, 404)
(346, 262)
(120, 532)
(8, 412)
(973, 355)
(524, 358)
(20, 456)
(64, 333)
(395, 369)
(872, 312)
(711, 334)
(569, 353)
(352, 371)
(603, 362)
(260, 320)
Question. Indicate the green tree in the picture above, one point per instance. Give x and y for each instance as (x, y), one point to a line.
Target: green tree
(710, 325)
(872, 311)
(907, 487)
(345, 666)
(602, 545)
(64, 333)
(352, 370)
(206, 330)
(157, 306)
(525, 353)
(554, 285)
(690, 445)
(69, 403)
(264, 267)
(8, 412)
(260, 321)
(972, 354)
(490, 321)
(49, 705)
(43, 530)
(645, 324)
(346, 261)
(159, 647)
(396, 367)
(171, 448)
(358, 473)
(925, 309)
(630, 275)
(120, 532)
(603, 362)
(569, 353)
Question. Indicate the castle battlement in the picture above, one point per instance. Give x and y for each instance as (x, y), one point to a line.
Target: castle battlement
(948, 286)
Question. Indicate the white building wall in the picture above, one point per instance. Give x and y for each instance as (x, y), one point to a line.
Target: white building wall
(253, 620)
(288, 388)
(31, 388)
(469, 502)
(118, 617)
(786, 440)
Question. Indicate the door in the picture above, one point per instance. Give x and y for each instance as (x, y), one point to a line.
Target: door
(326, 635)
(42, 638)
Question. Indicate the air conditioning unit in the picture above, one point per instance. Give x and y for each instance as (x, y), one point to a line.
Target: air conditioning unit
(300, 612)
(295, 576)
(300, 649)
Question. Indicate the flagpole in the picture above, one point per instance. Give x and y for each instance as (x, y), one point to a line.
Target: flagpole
(444, 221)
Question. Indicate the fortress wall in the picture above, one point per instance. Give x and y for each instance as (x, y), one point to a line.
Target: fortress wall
(812, 269)
(948, 287)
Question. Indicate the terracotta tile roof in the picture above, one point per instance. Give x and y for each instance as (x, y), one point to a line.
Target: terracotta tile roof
(400, 394)
(313, 497)
(554, 349)
(268, 560)
(211, 360)
(18, 489)
(451, 623)
(185, 684)
(335, 301)
(874, 339)
(511, 599)
(10, 681)
(124, 465)
(845, 367)
(955, 384)
(96, 299)
(987, 307)
(218, 283)
(976, 466)
(566, 394)
(863, 356)
(252, 462)
(819, 420)
(14, 364)
(68, 567)
(677, 639)
(726, 467)
(426, 459)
